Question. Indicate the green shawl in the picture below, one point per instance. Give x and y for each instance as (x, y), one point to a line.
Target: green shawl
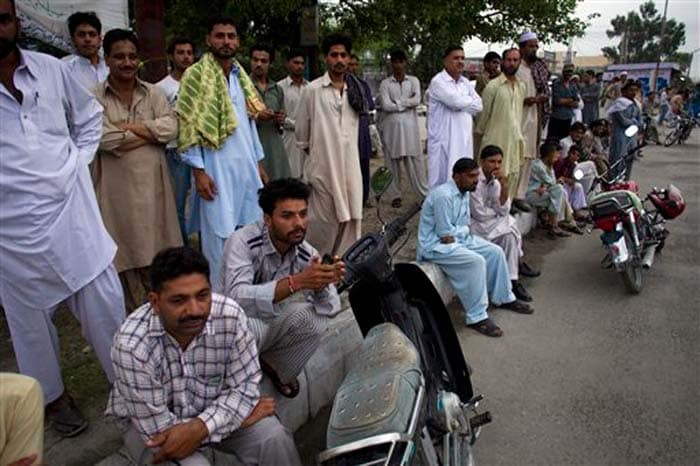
(207, 116)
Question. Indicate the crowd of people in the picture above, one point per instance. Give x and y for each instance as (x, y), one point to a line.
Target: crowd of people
(105, 178)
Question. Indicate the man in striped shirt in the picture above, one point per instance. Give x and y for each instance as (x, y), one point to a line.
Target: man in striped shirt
(187, 374)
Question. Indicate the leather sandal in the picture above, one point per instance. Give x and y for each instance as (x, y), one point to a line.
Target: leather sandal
(289, 390)
(487, 327)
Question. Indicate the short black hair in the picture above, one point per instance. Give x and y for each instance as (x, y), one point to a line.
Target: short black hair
(630, 83)
(220, 19)
(354, 57)
(397, 55)
(598, 122)
(171, 263)
(464, 165)
(548, 148)
(84, 17)
(577, 126)
(280, 189)
(179, 41)
(336, 39)
(490, 56)
(263, 48)
(116, 35)
(490, 151)
(295, 52)
(576, 148)
(450, 49)
(590, 72)
(507, 51)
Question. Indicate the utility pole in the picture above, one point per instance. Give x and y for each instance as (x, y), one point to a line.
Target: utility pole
(149, 16)
(661, 41)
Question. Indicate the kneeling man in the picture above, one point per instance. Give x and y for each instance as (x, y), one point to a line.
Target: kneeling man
(491, 219)
(187, 374)
(280, 281)
(475, 267)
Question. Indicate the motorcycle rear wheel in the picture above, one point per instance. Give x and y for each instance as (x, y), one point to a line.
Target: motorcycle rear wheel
(632, 273)
(671, 138)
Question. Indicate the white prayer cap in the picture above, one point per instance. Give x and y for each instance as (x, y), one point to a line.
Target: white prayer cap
(526, 36)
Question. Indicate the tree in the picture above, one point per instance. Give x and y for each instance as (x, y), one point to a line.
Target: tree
(640, 37)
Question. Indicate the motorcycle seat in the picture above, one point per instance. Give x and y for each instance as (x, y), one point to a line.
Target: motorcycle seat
(378, 395)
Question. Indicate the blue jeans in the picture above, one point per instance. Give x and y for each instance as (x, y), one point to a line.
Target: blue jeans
(181, 176)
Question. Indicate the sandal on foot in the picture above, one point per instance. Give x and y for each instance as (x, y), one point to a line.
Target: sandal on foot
(289, 390)
(487, 327)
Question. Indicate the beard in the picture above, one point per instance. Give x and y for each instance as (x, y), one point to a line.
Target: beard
(7, 46)
(222, 52)
(510, 71)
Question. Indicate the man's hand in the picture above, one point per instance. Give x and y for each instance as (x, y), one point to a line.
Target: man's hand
(264, 408)
(204, 184)
(26, 461)
(263, 174)
(138, 129)
(279, 117)
(530, 101)
(179, 441)
(318, 276)
(541, 98)
(447, 239)
(339, 269)
(500, 176)
(265, 115)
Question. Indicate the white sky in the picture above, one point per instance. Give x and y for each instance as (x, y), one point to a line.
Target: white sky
(685, 11)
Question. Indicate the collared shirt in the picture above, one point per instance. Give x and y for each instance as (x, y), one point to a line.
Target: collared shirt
(530, 125)
(540, 175)
(489, 218)
(562, 91)
(399, 122)
(445, 212)
(85, 72)
(292, 97)
(170, 87)
(253, 266)
(158, 384)
(52, 239)
(541, 74)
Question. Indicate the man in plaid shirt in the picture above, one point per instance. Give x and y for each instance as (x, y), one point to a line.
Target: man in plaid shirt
(187, 374)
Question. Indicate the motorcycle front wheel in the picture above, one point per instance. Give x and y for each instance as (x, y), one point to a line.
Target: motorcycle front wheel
(632, 272)
(671, 138)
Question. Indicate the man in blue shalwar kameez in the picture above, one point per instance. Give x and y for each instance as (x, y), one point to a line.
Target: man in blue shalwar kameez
(475, 267)
(623, 113)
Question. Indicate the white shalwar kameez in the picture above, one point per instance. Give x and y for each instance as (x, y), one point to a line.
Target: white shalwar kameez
(53, 244)
(451, 108)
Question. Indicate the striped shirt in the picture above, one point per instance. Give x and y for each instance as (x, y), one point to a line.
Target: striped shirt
(158, 385)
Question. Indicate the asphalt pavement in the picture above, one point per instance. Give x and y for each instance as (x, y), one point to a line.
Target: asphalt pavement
(598, 376)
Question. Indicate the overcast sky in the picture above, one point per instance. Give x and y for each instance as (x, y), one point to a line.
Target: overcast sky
(685, 11)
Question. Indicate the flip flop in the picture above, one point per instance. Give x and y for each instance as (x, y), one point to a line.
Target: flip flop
(289, 390)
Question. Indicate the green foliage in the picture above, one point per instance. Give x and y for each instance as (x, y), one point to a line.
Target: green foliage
(640, 37)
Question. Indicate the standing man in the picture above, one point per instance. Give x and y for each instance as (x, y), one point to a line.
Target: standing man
(130, 172)
(590, 94)
(364, 139)
(564, 101)
(225, 156)
(292, 86)
(181, 56)
(327, 130)
(54, 247)
(86, 65)
(492, 68)
(452, 102)
(400, 95)
(623, 113)
(271, 120)
(501, 120)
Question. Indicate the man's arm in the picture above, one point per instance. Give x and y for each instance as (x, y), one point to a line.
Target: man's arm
(116, 139)
(414, 100)
(454, 97)
(445, 229)
(85, 116)
(302, 130)
(164, 126)
(487, 98)
(388, 105)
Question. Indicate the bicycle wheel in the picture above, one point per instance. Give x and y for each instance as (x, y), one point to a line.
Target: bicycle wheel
(671, 138)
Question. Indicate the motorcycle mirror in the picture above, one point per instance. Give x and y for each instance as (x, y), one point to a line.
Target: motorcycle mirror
(631, 130)
(578, 174)
(381, 180)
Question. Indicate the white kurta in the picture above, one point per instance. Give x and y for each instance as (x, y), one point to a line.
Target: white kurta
(530, 116)
(399, 123)
(85, 72)
(451, 107)
(292, 97)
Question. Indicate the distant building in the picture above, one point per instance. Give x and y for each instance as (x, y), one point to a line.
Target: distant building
(644, 72)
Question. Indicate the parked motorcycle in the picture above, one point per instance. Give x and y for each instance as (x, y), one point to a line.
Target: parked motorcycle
(681, 130)
(408, 399)
(633, 228)
(649, 129)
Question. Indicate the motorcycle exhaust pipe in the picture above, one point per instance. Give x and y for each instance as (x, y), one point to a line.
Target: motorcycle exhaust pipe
(648, 259)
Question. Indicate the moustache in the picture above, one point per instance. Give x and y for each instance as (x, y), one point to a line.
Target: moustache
(185, 320)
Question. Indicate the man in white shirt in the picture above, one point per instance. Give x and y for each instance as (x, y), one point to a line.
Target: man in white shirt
(181, 56)
(86, 65)
(54, 247)
(452, 103)
(292, 86)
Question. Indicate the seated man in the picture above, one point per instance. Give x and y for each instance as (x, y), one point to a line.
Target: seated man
(564, 171)
(596, 138)
(491, 219)
(475, 267)
(187, 374)
(21, 420)
(278, 278)
(578, 136)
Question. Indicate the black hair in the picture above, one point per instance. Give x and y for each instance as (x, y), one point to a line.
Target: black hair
(590, 72)
(490, 151)
(576, 148)
(84, 17)
(507, 51)
(491, 56)
(397, 55)
(577, 126)
(280, 189)
(464, 165)
(295, 52)
(354, 57)
(598, 122)
(263, 48)
(549, 147)
(220, 19)
(116, 35)
(629, 83)
(336, 39)
(451, 49)
(171, 263)
(179, 41)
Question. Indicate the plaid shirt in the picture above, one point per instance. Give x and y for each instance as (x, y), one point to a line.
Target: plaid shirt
(540, 74)
(158, 385)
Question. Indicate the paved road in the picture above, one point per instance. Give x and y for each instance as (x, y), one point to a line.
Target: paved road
(597, 376)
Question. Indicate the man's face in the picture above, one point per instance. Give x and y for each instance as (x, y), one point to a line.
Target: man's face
(9, 28)
(586, 79)
(223, 41)
(630, 92)
(454, 62)
(511, 63)
(123, 60)
(287, 224)
(87, 40)
(260, 63)
(598, 130)
(567, 73)
(576, 135)
(337, 59)
(467, 181)
(295, 66)
(574, 155)
(490, 164)
(493, 67)
(182, 57)
(353, 66)
(529, 50)
(183, 305)
(398, 66)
